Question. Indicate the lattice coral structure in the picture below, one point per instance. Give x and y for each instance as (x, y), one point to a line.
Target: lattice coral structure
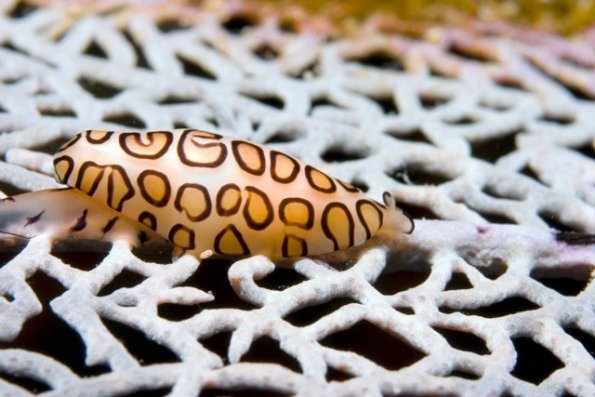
(475, 125)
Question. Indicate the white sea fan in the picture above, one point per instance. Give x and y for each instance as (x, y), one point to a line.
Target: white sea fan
(488, 124)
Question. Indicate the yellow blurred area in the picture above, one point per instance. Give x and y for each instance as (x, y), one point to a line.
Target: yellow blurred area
(557, 16)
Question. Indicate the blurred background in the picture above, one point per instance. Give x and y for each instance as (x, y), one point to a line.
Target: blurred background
(557, 16)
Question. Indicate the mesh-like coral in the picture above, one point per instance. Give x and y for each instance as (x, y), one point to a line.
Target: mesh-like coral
(469, 126)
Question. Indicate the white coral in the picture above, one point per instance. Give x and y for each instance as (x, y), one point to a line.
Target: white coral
(428, 133)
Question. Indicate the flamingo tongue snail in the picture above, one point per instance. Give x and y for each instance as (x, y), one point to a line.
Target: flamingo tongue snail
(203, 192)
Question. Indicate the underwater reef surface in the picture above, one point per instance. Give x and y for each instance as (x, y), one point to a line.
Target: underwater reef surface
(482, 132)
